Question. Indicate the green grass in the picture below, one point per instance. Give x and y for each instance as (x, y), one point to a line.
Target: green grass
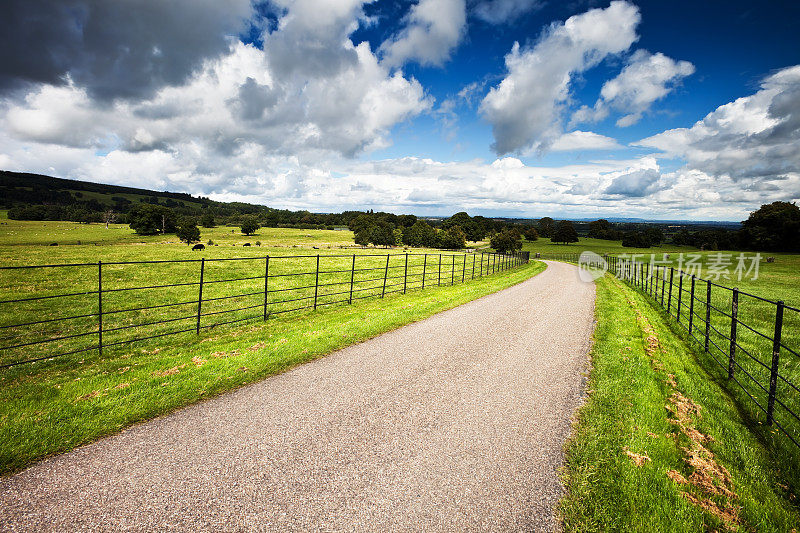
(775, 281)
(29, 234)
(627, 409)
(52, 407)
(599, 246)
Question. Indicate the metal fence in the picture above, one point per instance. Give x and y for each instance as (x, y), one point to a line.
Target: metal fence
(753, 340)
(54, 311)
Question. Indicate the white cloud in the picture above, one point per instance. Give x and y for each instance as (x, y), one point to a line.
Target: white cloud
(749, 140)
(337, 98)
(636, 183)
(583, 140)
(501, 11)
(525, 109)
(432, 29)
(646, 79)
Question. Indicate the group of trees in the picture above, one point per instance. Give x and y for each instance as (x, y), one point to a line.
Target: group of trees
(773, 227)
(381, 230)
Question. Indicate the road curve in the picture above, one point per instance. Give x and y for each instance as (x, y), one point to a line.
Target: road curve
(454, 423)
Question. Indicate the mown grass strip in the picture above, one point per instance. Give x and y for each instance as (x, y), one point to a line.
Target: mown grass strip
(52, 408)
(636, 461)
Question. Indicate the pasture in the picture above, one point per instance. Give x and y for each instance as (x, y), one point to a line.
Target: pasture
(54, 405)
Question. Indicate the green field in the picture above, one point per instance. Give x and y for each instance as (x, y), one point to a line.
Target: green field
(660, 444)
(779, 280)
(56, 404)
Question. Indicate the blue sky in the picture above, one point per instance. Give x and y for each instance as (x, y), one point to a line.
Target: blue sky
(659, 110)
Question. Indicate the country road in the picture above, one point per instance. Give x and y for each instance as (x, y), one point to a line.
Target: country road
(454, 423)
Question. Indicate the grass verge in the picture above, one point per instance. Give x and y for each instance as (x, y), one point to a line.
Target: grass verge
(659, 444)
(51, 408)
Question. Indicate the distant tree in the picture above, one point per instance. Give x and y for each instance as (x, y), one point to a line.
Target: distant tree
(506, 241)
(531, 234)
(360, 222)
(564, 232)
(773, 227)
(361, 237)
(249, 225)
(398, 236)
(635, 239)
(421, 234)
(109, 217)
(546, 227)
(188, 231)
(406, 220)
(149, 219)
(452, 238)
(603, 229)
(381, 234)
(207, 220)
(655, 235)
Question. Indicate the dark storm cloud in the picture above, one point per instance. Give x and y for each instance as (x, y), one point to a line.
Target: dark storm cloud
(114, 48)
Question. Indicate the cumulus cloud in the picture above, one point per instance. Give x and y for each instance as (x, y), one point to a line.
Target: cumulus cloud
(340, 99)
(113, 49)
(636, 183)
(525, 109)
(751, 139)
(583, 140)
(646, 79)
(501, 11)
(432, 29)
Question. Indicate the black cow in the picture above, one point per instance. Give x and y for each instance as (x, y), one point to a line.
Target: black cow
(199, 247)
(246, 244)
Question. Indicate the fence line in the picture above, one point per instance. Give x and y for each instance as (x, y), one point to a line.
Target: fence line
(733, 327)
(219, 291)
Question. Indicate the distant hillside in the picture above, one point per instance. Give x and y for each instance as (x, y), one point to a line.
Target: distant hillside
(19, 188)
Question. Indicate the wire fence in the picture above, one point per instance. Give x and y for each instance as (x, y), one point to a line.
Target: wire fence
(51, 312)
(754, 341)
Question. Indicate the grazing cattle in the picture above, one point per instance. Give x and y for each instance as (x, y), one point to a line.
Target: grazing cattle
(246, 244)
(53, 244)
(198, 247)
(770, 259)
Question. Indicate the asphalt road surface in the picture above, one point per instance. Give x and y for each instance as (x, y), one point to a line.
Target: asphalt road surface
(454, 423)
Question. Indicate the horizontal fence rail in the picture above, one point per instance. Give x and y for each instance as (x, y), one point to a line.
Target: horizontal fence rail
(753, 340)
(49, 312)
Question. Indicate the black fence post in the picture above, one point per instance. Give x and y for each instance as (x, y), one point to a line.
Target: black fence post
(266, 286)
(352, 279)
(464, 269)
(680, 295)
(424, 269)
(439, 282)
(669, 298)
(316, 284)
(385, 275)
(473, 265)
(481, 272)
(691, 306)
(734, 319)
(663, 283)
(708, 312)
(773, 373)
(200, 294)
(405, 275)
(453, 271)
(100, 308)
